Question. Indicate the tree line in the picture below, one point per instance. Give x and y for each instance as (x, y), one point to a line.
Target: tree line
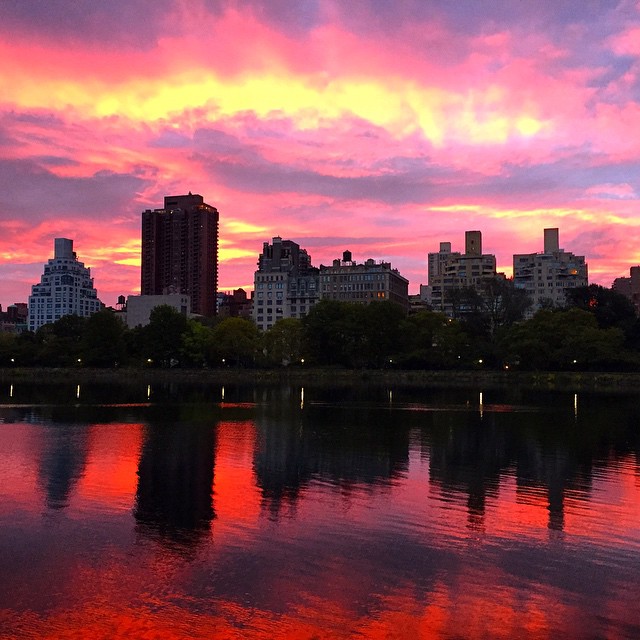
(598, 329)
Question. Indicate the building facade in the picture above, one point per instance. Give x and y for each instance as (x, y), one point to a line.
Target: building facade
(285, 284)
(364, 282)
(139, 308)
(451, 271)
(180, 251)
(235, 304)
(546, 276)
(630, 287)
(65, 288)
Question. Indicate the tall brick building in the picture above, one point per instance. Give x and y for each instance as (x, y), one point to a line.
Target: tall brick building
(180, 251)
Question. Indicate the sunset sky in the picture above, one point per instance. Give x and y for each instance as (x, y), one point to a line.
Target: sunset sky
(379, 126)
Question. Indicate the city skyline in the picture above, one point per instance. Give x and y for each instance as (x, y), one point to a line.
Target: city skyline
(381, 128)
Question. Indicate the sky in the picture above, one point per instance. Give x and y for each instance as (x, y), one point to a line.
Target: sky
(379, 126)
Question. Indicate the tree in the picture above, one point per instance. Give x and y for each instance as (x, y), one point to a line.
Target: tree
(331, 334)
(610, 308)
(283, 342)
(197, 343)
(163, 337)
(235, 340)
(60, 343)
(381, 323)
(569, 339)
(103, 342)
(503, 303)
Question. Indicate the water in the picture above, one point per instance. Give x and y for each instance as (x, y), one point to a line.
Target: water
(211, 512)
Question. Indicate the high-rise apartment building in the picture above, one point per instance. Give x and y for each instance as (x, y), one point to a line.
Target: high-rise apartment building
(364, 282)
(286, 285)
(450, 271)
(546, 276)
(65, 288)
(180, 251)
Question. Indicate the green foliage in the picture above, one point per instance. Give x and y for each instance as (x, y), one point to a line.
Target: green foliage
(283, 343)
(599, 332)
(353, 335)
(570, 340)
(103, 342)
(197, 344)
(60, 343)
(433, 341)
(162, 338)
(234, 340)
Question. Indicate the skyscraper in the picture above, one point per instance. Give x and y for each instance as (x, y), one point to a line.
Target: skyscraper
(180, 251)
(65, 288)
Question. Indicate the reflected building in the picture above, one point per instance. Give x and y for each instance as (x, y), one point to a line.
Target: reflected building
(365, 452)
(174, 497)
(63, 462)
(467, 455)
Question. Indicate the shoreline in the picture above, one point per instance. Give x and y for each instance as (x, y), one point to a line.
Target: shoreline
(555, 380)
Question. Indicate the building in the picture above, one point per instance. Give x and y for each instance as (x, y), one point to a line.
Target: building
(235, 305)
(180, 251)
(546, 276)
(15, 318)
(65, 288)
(139, 308)
(451, 271)
(365, 282)
(630, 287)
(286, 285)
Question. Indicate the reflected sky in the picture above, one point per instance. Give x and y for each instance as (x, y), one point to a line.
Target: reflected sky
(348, 517)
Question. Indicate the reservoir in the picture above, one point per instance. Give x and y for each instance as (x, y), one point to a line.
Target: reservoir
(300, 512)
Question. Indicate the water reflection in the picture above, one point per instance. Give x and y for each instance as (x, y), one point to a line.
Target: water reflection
(174, 498)
(346, 448)
(335, 514)
(62, 463)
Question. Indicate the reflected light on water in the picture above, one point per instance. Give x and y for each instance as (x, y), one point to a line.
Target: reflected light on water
(263, 522)
(575, 405)
(78, 391)
(222, 394)
(148, 391)
(11, 391)
(390, 396)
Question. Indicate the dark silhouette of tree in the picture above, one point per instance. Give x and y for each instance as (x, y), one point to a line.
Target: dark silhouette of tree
(610, 308)
(162, 337)
(103, 342)
(283, 343)
(234, 340)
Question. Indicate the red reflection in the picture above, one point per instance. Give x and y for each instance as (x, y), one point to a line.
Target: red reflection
(110, 477)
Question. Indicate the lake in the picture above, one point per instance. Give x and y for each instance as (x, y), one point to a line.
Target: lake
(205, 511)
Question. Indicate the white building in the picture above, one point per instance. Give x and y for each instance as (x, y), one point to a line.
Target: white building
(65, 288)
(286, 285)
(546, 276)
(451, 271)
(139, 308)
